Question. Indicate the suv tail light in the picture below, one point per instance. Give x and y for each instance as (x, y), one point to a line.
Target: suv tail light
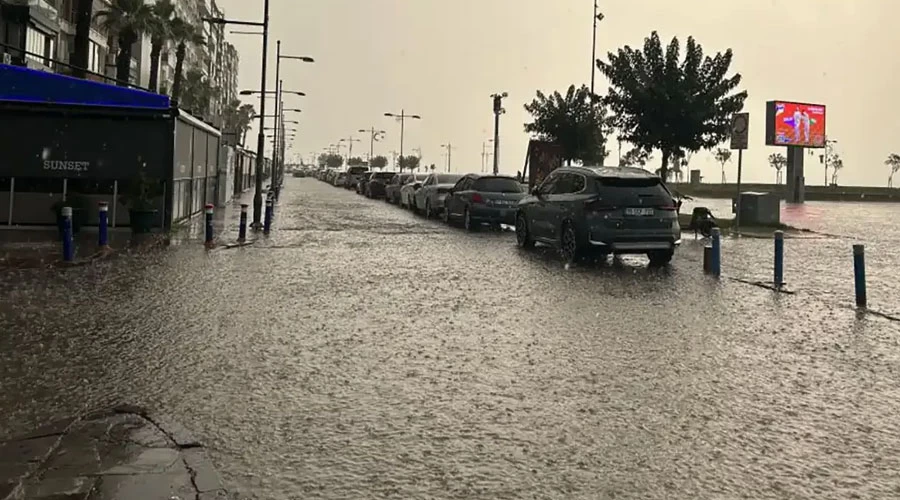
(477, 198)
(667, 208)
(598, 205)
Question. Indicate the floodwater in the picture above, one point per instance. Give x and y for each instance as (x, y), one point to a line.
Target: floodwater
(363, 352)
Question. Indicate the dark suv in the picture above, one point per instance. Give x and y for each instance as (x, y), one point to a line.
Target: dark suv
(614, 210)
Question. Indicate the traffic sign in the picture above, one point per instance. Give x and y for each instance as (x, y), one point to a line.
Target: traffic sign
(740, 130)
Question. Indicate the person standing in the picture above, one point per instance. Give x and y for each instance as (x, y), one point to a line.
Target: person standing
(798, 119)
(806, 126)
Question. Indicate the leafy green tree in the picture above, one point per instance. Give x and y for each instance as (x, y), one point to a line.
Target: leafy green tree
(723, 156)
(183, 34)
(160, 32)
(636, 157)
(322, 160)
(378, 162)
(334, 160)
(778, 162)
(129, 19)
(355, 162)
(575, 121)
(198, 94)
(661, 102)
(408, 162)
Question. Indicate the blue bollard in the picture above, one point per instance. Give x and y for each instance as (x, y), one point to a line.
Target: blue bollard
(209, 224)
(267, 223)
(242, 229)
(779, 259)
(103, 228)
(859, 274)
(68, 244)
(716, 257)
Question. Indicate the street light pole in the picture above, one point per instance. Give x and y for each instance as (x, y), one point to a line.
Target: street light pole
(597, 18)
(261, 138)
(374, 135)
(498, 110)
(449, 149)
(403, 116)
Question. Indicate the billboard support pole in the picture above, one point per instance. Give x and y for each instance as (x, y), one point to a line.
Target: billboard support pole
(737, 215)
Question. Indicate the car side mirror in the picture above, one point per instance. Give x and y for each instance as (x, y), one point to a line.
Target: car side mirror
(536, 192)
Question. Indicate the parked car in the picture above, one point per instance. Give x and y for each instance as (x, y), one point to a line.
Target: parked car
(430, 199)
(354, 175)
(615, 210)
(408, 191)
(363, 182)
(375, 186)
(340, 178)
(478, 199)
(392, 189)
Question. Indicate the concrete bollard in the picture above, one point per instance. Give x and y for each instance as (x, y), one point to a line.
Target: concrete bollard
(779, 259)
(715, 264)
(242, 228)
(68, 243)
(103, 227)
(859, 274)
(267, 222)
(209, 224)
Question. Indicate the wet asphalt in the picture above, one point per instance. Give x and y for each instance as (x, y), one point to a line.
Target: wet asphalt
(361, 351)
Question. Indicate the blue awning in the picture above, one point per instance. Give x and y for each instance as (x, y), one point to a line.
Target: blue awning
(28, 85)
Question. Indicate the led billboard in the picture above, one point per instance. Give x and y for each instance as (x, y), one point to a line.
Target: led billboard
(795, 124)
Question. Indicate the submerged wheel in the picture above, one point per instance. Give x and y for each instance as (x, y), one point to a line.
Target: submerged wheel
(523, 238)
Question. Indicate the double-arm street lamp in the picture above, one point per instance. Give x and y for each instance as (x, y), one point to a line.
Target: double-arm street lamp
(260, 143)
(374, 135)
(402, 117)
(449, 150)
(350, 140)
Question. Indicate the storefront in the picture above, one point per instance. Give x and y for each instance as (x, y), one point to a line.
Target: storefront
(65, 139)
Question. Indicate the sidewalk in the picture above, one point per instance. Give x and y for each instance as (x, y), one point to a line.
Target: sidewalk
(123, 453)
(32, 247)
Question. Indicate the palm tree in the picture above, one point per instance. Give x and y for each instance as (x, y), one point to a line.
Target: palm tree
(160, 33)
(183, 34)
(893, 161)
(84, 11)
(128, 18)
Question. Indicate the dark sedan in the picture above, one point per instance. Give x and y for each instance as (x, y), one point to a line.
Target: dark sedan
(477, 199)
(375, 188)
(392, 189)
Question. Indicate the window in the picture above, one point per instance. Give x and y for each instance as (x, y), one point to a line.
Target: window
(569, 183)
(549, 183)
(497, 185)
(95, 62)
(40, 45)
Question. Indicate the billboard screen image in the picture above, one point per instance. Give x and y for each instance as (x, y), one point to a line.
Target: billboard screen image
(795, 124)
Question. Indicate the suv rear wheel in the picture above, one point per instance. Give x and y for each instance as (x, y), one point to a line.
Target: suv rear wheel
(660, 257)
(523, 238)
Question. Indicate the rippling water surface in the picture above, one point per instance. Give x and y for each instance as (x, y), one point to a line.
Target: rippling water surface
(362, 352)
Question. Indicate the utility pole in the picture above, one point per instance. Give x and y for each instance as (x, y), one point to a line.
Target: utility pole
(449, 149)
(598, 16)
(498, 110)
(261, 137)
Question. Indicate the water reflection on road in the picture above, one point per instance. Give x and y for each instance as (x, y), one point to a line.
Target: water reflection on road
(363, 352)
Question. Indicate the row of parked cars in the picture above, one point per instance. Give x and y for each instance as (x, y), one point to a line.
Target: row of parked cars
(605, 210)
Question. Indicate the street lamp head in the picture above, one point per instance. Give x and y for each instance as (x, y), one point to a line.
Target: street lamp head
(247, 92)
(389, 114)
(300, 58)
(417, 117)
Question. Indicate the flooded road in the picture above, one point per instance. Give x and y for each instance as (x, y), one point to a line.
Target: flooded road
(363, 352)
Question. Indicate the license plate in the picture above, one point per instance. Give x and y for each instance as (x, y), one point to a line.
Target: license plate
(639, 211)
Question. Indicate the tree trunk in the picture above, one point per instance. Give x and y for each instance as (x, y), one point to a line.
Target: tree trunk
(123, 59)
(664, 168)
(82, 47)
(156, 46)
(179, 67)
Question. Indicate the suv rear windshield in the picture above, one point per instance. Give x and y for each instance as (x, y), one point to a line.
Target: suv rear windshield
(357, 170)
(448, 178)
(384, 175)
(628, 191)
(497, 185)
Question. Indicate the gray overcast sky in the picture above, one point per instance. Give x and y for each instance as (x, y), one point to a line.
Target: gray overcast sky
(443, 58)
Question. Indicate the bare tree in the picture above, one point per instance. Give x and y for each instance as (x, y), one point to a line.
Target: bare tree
(837, 163)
